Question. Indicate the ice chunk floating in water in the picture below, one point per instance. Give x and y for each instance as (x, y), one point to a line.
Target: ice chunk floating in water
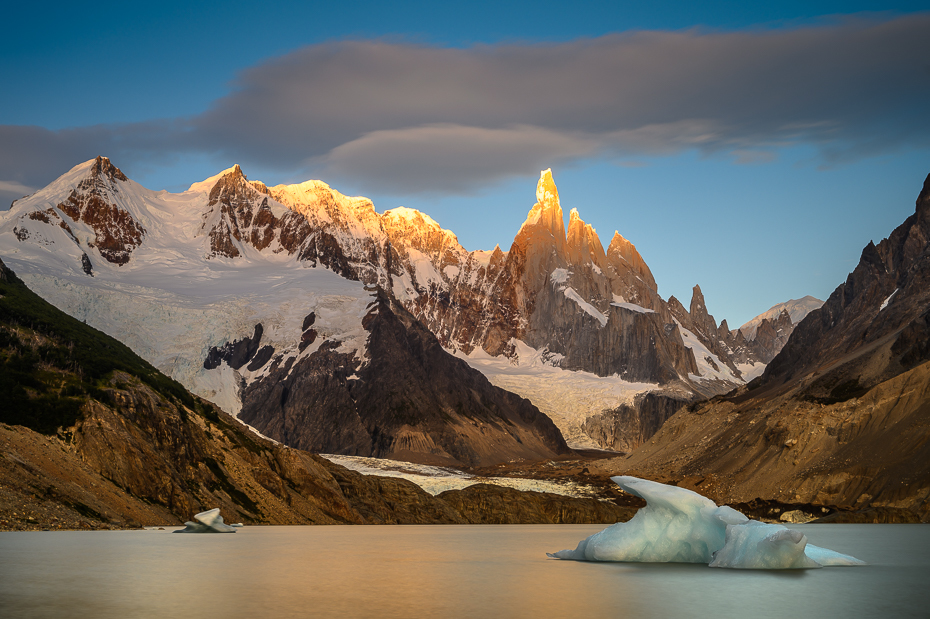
(209, 521)
(681, 526)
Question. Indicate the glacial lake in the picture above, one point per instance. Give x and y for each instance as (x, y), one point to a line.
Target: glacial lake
(438, 571)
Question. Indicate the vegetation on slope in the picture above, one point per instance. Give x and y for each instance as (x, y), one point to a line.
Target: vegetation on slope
(51, 364)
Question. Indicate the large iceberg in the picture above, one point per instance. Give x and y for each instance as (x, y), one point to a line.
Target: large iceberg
(209, 521)
(681, 526)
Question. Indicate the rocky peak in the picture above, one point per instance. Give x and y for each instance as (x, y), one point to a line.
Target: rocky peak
(584, 246)
(546, 214)
(697, 301)
(703, 321)
(234, 186)
(94, 202)
(103, 167)
(923, 201)
(783, 320)
(419, 230)
(239, 212)
(679, 312)
(622, 249)
(409, 229)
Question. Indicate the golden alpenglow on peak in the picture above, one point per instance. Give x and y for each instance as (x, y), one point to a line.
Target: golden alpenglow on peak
(583, 243)
(621, 248)
(546, 192)
(547, 212)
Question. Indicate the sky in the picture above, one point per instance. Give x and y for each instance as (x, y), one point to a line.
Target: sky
(751, 148)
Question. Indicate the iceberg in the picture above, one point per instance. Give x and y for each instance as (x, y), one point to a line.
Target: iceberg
(209, 521)
(681, 526)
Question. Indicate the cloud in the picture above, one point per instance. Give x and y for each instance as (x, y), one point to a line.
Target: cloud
(406, 118)
(33, 156)
(14, 187)
(449, 158)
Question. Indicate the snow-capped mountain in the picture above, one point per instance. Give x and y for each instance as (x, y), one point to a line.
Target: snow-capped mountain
(796, 309)
(232, 282)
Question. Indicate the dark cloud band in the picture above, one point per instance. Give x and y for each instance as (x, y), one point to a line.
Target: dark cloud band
(409, 118)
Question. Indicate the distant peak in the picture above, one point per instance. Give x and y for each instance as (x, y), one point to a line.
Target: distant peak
(208, 183)
(101, 166)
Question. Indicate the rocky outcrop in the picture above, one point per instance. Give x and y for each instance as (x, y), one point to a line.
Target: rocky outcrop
(95, 202)
(236, 354)
(869, 451)
(771, 336)
(408, 399)
(630, 425)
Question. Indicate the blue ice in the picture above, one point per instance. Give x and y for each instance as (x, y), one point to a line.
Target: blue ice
(209, 521)
(681, 526)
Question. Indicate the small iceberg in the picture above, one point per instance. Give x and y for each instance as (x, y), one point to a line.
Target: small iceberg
(681, 526)
(209, 521)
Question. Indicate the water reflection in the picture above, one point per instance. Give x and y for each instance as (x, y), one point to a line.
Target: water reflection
(444, 571)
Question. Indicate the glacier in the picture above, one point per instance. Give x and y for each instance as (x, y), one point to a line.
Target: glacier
(681, 526)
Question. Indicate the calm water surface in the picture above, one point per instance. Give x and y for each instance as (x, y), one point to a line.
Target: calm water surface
(438, 571)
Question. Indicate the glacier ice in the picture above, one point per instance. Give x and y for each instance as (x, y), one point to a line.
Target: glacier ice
(209, 521)
(681, 526)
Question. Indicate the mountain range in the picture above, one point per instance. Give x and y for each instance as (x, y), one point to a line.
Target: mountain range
(92, 436)
(249, 294)
(329, 327)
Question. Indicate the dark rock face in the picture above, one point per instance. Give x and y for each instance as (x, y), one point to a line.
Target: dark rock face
(238, 353)
(410, 400)
(771, 336)
(629, 426)
(262, 357)
(244, 215)
(86, 265)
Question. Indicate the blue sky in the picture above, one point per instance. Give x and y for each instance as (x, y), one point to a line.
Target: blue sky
(751, 148)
